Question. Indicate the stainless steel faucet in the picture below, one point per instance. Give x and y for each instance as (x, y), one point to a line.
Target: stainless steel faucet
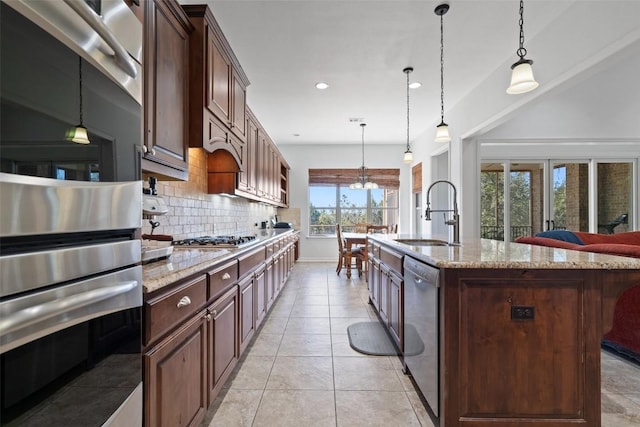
(455, 221)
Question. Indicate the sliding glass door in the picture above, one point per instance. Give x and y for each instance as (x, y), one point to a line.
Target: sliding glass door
(542, 195)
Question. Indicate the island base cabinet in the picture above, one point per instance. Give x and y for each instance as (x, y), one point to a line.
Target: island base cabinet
(524, 344)
(175, 377)
(223, 340)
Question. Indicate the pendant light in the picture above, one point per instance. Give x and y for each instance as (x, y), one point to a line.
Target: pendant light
(408, 155)
(522, 80)
(362, 182)
(442, 130)
(79, 133)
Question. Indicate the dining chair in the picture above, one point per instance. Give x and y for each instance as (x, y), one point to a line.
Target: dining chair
(360, 228)
(371, 228)
(358, 256)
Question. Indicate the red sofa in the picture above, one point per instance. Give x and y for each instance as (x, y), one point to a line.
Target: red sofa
(624, 336)
(623, 244)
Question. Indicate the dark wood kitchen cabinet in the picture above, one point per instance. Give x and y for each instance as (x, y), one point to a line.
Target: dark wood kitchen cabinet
(222, 340)
(265, 174)
(386, 288)
(217, 88)
(247, 313)
(175, 355)
(166, 90)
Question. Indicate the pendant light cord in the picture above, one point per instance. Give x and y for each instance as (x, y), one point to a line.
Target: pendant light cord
(362, 125)
(522, 52)
(441, 69)
(80, 97)
(408, 70)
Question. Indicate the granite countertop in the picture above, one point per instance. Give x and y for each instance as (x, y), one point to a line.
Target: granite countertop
(485, 253)
(186, 261)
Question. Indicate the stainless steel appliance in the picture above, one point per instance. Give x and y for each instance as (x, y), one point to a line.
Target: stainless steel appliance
(41, 88)
(214, 242)
(421, 290)
(70, 302)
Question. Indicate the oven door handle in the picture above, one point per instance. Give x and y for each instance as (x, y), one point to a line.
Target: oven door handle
(40, 312)
(121, 56)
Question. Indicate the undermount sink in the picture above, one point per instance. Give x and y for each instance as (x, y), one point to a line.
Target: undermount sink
(422, 242)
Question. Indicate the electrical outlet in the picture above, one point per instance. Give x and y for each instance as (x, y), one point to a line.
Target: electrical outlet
(522, 312)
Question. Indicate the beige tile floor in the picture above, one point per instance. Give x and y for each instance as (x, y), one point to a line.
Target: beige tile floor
(301, 371)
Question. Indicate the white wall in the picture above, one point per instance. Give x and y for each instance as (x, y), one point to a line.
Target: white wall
(302, 157)
(589, 39)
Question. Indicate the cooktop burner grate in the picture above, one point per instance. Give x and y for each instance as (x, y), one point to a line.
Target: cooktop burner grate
(215, 241)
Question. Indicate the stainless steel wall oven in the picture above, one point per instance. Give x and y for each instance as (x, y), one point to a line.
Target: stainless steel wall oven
(71, 281)
(70, 302)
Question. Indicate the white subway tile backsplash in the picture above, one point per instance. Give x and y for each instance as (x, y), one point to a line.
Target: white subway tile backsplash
(193, 212)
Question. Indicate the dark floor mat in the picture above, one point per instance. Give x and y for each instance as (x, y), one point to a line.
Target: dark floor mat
(370, 338)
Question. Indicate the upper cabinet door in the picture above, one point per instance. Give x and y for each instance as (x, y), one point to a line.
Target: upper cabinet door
(239, 104)
(218, 80)
(165, 150)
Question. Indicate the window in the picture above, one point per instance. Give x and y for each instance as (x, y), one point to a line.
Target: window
(332, 202)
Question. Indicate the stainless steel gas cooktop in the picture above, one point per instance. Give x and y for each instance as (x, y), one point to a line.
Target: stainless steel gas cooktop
(214, 242)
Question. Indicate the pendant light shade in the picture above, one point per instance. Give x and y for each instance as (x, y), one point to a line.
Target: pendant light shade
(79, 133)
(522, 79)
(442, 133)
(408, 155)
(363, 182)
(442, 130)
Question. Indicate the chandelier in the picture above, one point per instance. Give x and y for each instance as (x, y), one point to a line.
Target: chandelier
(362, 182)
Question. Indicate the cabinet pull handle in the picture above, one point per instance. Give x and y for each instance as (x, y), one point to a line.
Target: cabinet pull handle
(208, 317)
(144, 149)
(226, 276)
(153, 151)
(214, 313)
(184, 301)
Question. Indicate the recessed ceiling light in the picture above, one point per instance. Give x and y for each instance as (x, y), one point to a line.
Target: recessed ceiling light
(296, 134)
(415, 85)
(322, 85)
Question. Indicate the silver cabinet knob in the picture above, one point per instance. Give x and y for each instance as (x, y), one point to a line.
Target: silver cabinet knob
(145, 149)
(153, 151)
(184, 301)
(214, 313)
(208, 317)
(226, 276)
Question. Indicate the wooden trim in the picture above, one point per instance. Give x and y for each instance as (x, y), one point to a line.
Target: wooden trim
(416, 173)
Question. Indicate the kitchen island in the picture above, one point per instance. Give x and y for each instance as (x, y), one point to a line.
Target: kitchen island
(508, 334)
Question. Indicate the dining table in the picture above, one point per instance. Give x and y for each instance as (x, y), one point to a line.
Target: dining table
(351, 239)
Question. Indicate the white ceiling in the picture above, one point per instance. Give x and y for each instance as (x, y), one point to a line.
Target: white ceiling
(360, 48)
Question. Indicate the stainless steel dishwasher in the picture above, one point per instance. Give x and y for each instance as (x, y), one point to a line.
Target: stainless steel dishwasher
(421, 328)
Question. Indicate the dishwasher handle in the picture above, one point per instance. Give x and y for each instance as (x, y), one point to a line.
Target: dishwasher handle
(421, 273)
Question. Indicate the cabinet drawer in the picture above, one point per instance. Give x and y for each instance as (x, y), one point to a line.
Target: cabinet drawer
(249, 261)
(392, 259)
(221, 278)
(168, 310)
(271, 249)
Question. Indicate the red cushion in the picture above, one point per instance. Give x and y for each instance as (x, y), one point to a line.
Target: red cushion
(545, 241)
(613, 249)
(629, 238)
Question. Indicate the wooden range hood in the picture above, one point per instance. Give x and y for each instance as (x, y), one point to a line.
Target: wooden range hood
(222, 172)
